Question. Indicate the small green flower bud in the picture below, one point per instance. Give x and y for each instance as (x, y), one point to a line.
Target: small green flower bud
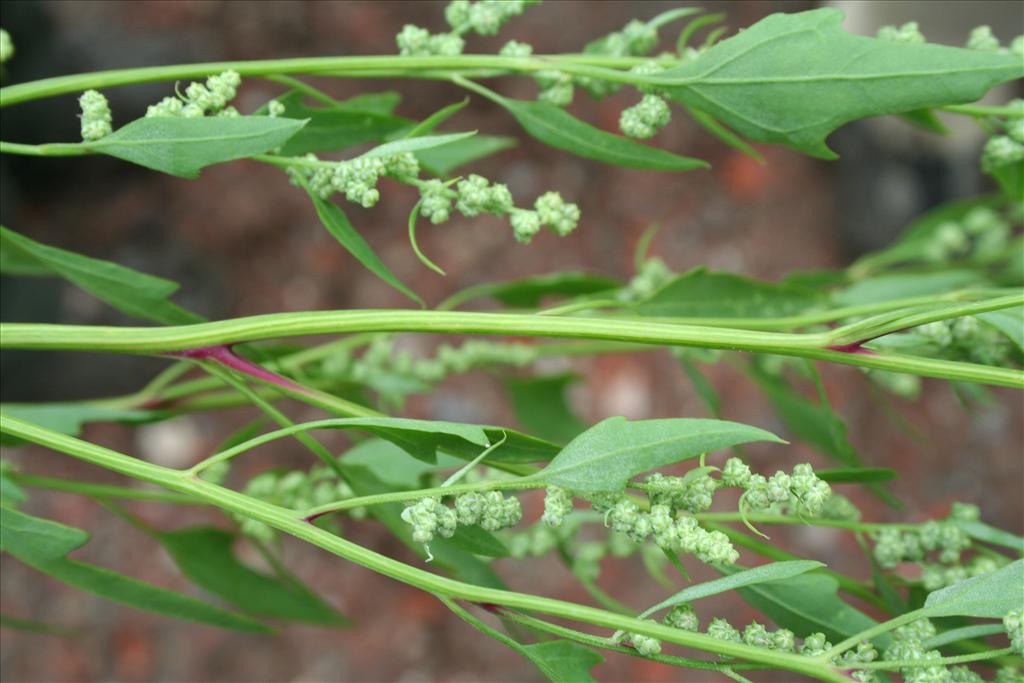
(557, 504)
(6, 46)
(645, 645)
(757, 635)
(723, 630)
(274, 109)
(735, 473)
(683, 617)
(643, 120)
(457, 13)
(814, 645)
(1001, 151)
(908, 33)
(168, 106)
(96, 118)
(514, 48)
(783, 640)
(1013, 622)
(556, 213)
(555, 87)
(981, 38)
(445, 45)
(525, 224)
(961, 674)
(413, 40)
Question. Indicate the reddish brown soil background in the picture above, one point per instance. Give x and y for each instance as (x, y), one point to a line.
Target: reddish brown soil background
(242, 241)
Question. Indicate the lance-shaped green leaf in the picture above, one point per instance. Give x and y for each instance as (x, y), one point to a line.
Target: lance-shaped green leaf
(563, 661)
(43, 545)
(355, 121)
(904, 285)
(417, 144)
(990, 595)
(441, 161)
(337, 223)
(182, 147)
(807, 604)
(774, 571)
(701, 294)
(204, 555)
(558, 128)
(129, 291)
(980, 531)
(604, 457)
(529, 292)
(795, 78)
(423, 438)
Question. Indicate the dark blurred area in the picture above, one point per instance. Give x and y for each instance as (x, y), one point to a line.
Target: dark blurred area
(242, 241)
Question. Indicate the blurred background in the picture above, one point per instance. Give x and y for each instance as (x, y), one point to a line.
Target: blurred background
(242, 241)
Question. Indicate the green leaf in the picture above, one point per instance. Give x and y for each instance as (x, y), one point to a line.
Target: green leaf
(604, 457)
(406, 145)
(989, 595)
(1009, 321)
(441, 161)
(980, 531)
(204, 555)
(705, 390)
(392, 466)
(43, 544)
(30, 626)
(795, 78)
(477, 541)
(905, 285)
(807, 604)
(558, 128)
(773, 571)
(721, 132)
(702, 294)
(356, 121)
(376, 102)
(964, 633)
(129, 291)
(436, 119)
(68, 418)
(925, 119)
(857, 475)
(529, 292)
(337, 223)
(182, 147)
(563, 661)
(11, 494)
(541, 407)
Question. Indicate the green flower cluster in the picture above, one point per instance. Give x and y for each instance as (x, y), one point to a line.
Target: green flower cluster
(668, 530)
(643, 120)
(758, 635)
(968, 338)
(801, 491)
(652, 276)
(557, 505)
(907, 33)
(200, 100)
(485, 17)
(355, 178)
(491, 511)
(96, 118)
(908, 645)
(635, 39)
(476, 195)
(414, 41)
(943, 538)
(982, 39)
(384, 369)
(1013, 622)
(295, 490)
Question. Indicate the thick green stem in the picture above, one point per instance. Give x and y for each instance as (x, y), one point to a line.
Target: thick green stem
(285, 521)
(227, 332)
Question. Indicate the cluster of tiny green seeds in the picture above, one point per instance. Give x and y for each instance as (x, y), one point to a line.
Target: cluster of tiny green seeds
(96, 118)
(295, 490)
(355, 178)
(652, 276)
(802, 490)
(908, 645)
(635, 39)
(968, 338)
(668, 530)
(200, 100)
(557, 505)
(491, 511)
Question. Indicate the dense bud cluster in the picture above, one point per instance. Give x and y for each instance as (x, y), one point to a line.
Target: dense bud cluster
(1013, 622)
(491, 511)
(200, 100)
(96, 118)
(557, 504)
(907, 33)
(485, 17)
(802, 491)
(682, 617)
(414, 41)
(355, 178)
(652, 276)
(295, 490)
(645, 119)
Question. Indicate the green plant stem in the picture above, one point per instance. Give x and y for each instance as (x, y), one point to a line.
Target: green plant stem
(944, 661)
(52, 149)
(180, 338)
(101, 490)
(285, 521)
(379, 65)
(304, 88)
